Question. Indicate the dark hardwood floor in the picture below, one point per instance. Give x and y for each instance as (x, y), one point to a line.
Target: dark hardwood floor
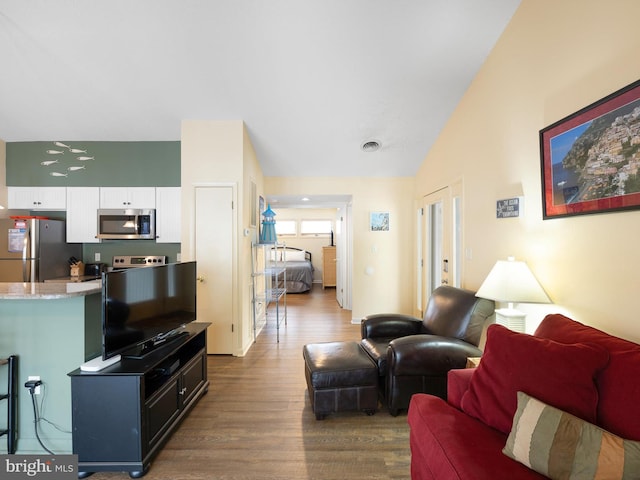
(256, 421)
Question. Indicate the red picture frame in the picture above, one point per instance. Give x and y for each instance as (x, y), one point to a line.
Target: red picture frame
(590, 160)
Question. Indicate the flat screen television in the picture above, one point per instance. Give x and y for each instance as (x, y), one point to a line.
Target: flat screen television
(144, 308)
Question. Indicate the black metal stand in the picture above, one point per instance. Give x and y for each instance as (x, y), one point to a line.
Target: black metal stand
(12, 397)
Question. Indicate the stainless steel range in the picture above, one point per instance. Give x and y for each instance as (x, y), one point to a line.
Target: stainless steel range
(136, 261)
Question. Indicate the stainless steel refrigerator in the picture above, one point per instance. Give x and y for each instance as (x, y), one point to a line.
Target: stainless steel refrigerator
(34, 250)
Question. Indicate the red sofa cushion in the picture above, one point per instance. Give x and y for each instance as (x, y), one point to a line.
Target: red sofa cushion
(618, 383)
(458, 381)
(558, 374)
(449, 444)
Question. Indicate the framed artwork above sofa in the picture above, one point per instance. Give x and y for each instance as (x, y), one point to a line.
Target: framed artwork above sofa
(590, 160)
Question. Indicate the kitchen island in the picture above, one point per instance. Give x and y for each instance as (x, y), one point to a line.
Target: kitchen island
(47, 291)
(53, 328)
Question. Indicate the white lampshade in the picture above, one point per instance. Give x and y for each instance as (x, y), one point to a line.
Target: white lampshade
(512, 281)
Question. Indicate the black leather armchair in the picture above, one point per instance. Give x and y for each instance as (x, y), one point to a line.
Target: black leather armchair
(415, 355)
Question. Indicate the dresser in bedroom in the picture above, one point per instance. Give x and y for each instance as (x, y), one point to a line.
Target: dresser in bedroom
(328, 266)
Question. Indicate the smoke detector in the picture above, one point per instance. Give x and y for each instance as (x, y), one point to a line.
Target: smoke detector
(370, 146)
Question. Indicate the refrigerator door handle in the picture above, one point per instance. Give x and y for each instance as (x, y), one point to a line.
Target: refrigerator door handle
(26, 251)
(26, 271)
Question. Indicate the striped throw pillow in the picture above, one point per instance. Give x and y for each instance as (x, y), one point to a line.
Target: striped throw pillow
(564, 447)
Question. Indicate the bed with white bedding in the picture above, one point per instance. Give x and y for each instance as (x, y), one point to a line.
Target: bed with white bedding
(299, 270)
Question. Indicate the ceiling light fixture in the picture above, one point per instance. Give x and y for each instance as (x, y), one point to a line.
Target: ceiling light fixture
(370, 146)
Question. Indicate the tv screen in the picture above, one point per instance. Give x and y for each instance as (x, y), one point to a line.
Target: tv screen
(144, 307)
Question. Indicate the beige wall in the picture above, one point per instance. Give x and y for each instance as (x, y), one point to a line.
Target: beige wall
(389, 287)
(554, 58)
(252, 173)
(220, 152)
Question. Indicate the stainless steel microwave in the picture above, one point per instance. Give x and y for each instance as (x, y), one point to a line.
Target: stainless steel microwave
(126, 223)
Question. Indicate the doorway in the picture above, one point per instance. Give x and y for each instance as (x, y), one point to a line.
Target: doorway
(342, 235)
(343, 256)
(440, 241)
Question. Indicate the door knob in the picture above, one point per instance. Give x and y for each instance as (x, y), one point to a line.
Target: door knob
(200, 278)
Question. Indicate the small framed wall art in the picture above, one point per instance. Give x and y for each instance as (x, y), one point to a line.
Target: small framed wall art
(260, 210)
(379, 222)
(254, 205)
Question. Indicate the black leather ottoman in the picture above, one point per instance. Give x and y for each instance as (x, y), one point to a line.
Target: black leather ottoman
(340, 376)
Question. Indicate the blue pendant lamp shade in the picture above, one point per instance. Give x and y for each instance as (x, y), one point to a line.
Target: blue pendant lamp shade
(268, 234)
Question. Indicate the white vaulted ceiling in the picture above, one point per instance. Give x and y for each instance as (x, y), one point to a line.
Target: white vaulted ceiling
(312, 79)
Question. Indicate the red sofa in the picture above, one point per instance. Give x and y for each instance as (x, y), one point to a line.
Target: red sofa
(463, 437)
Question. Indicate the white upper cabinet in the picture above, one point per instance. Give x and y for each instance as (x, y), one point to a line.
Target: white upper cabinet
(37, 198)
(82, 205)
(82, 214)
(127, 197)
(168, 215)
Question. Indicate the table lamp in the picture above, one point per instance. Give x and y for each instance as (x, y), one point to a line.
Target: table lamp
(512, 281)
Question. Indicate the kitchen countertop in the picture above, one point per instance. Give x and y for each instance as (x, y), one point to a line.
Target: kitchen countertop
(79, 279)
(47, 291)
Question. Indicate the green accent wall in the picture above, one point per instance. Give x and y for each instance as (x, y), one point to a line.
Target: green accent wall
(51, 338)
(113, 164)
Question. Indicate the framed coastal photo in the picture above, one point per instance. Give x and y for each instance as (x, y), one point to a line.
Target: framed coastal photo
(260, 210)
(254, 205)
(590, 160)
(379, 222)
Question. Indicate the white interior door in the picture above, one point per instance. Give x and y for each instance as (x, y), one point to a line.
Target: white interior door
(344, 256)
(441, 238)
(214, 254)
(436, 256)
(339, 242)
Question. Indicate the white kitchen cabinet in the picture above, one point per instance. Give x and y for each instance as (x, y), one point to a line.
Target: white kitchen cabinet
(82, 214)
(168, 215)
(127, 197)
(37, 198)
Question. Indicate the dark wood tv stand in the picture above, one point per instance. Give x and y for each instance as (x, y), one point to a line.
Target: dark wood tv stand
(122, 415)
